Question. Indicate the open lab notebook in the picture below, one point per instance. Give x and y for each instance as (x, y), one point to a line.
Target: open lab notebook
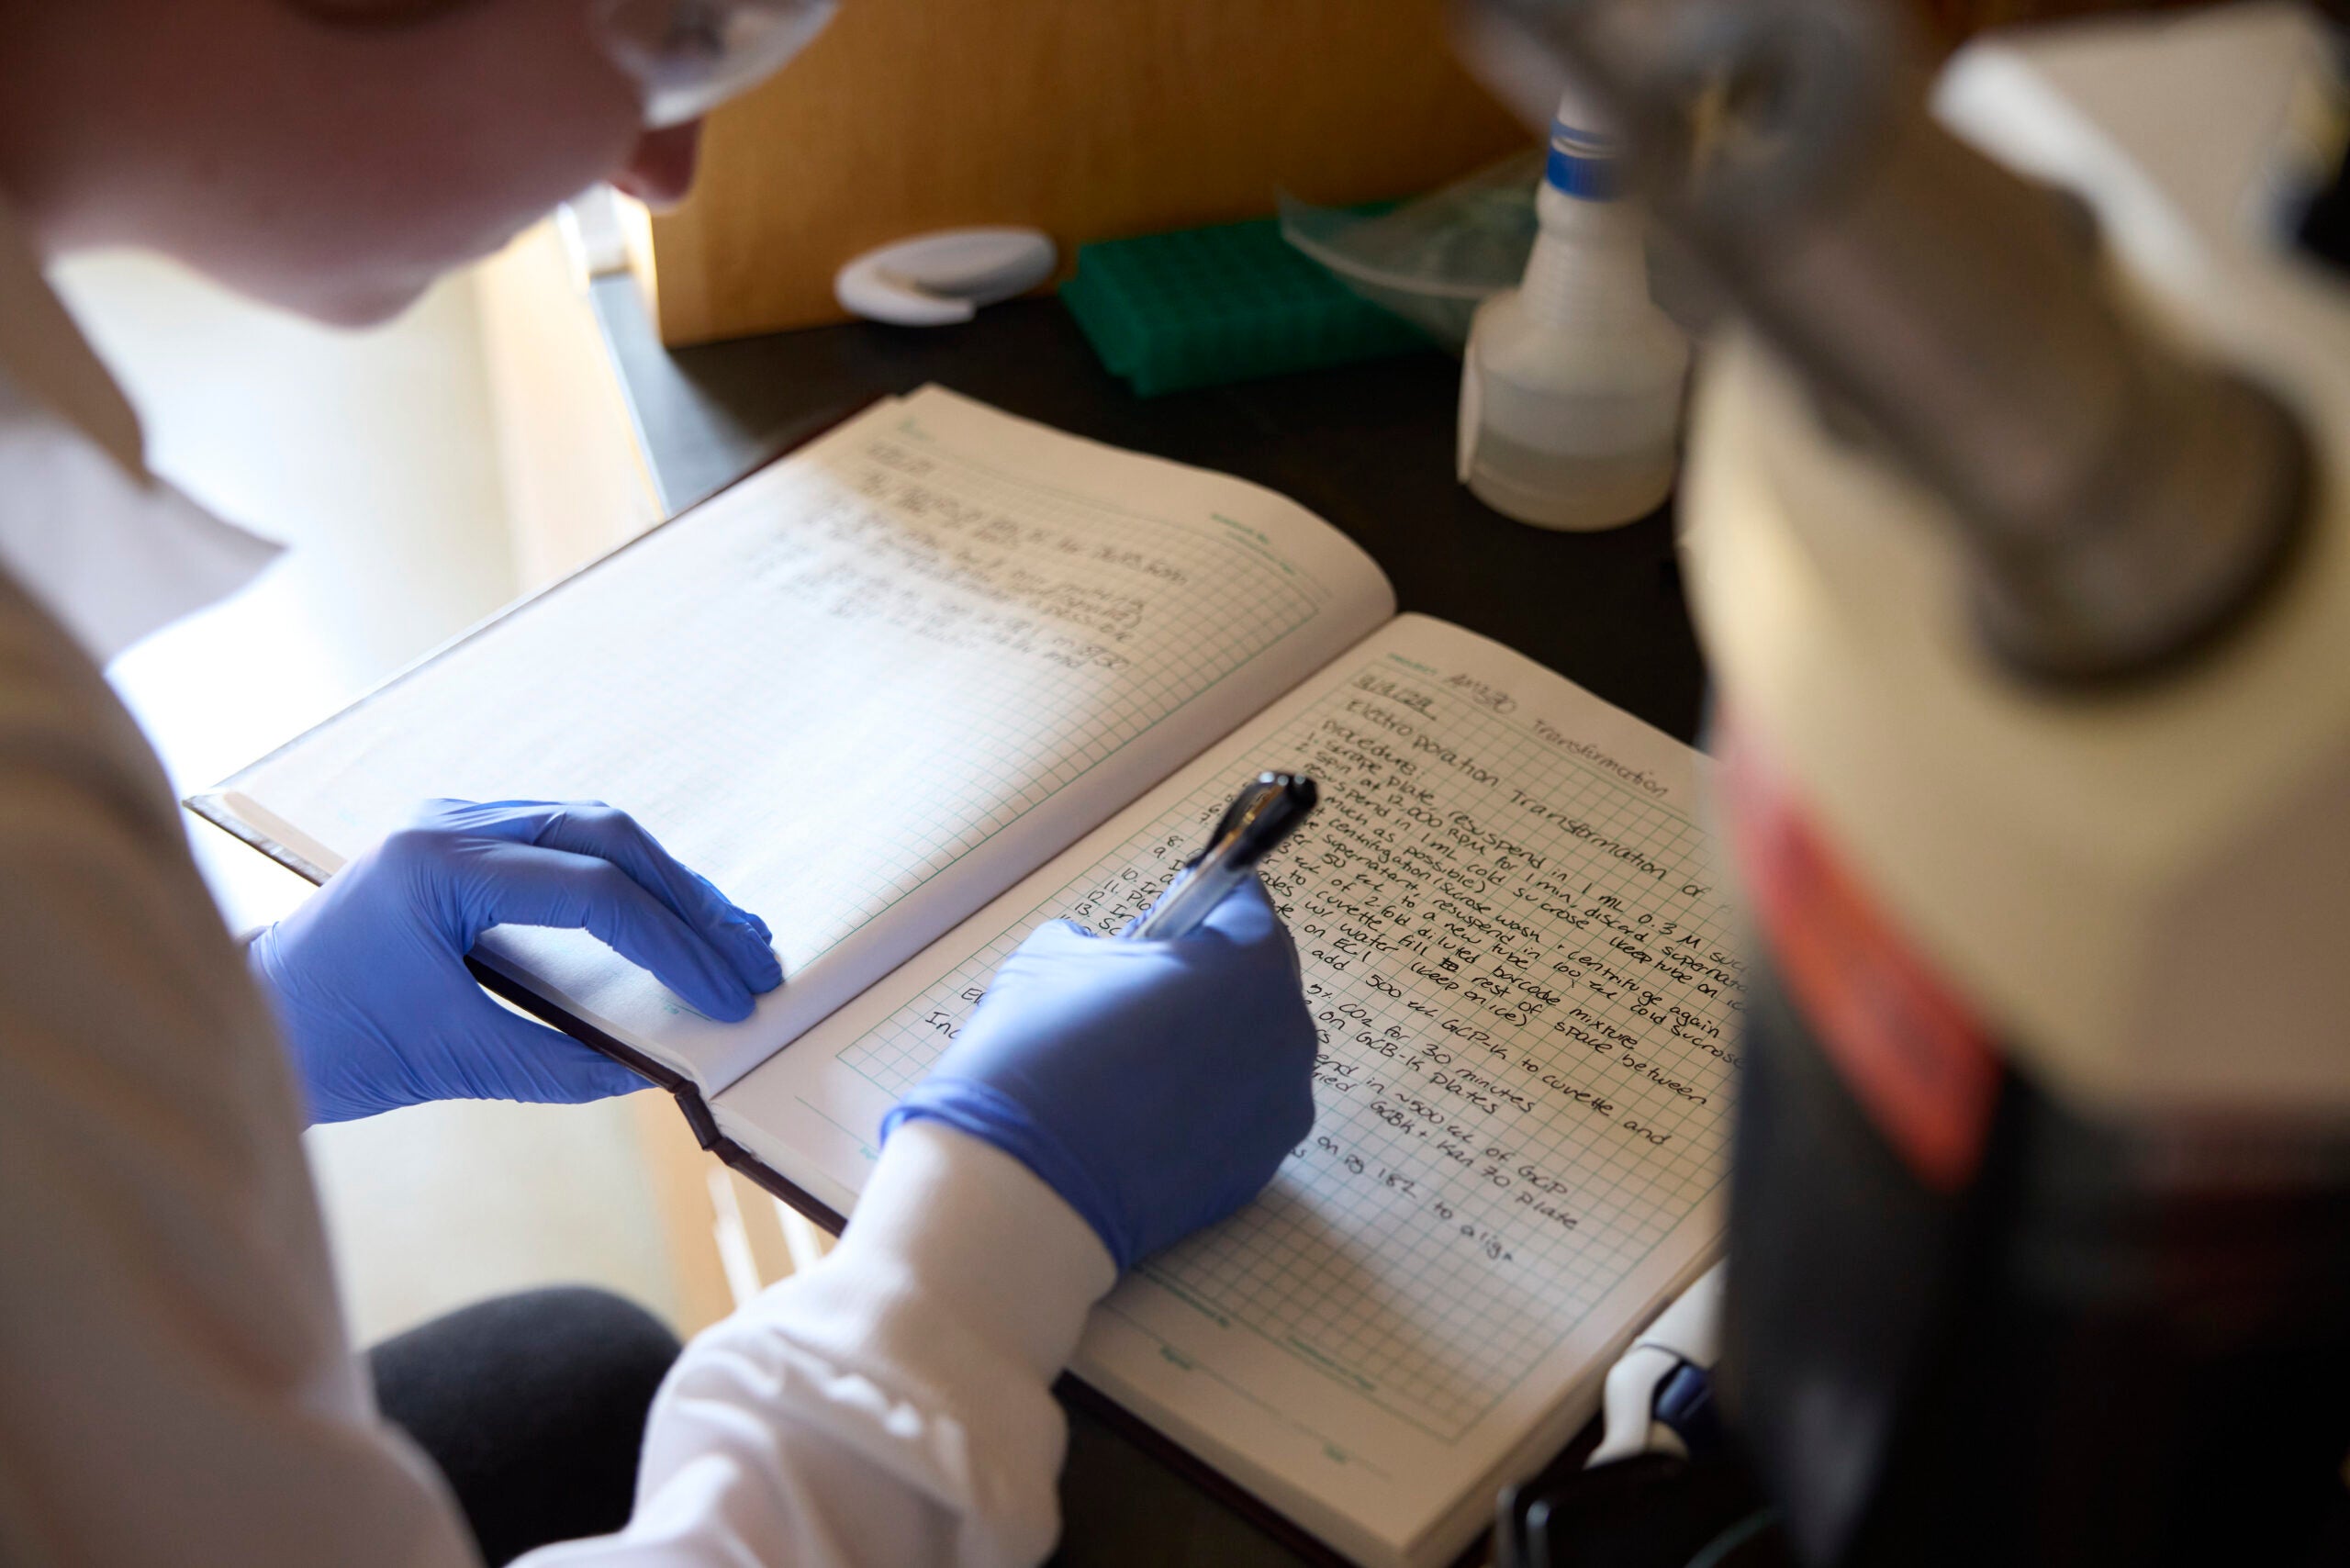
(945, 673)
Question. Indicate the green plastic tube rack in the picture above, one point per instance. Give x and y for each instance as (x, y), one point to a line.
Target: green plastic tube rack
(1204, 307)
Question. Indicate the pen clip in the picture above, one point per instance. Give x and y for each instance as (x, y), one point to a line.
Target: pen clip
(1244, 808)
(1260, 816)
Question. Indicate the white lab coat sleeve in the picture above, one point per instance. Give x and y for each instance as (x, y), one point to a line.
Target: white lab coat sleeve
(890, 1404)
(175, 1383)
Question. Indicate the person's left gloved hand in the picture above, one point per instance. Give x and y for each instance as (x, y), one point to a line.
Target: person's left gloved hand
(369, 981)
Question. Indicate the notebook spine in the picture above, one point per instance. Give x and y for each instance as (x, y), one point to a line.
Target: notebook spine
(682, 1089)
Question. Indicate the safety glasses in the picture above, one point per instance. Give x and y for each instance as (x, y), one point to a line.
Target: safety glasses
(689, 56)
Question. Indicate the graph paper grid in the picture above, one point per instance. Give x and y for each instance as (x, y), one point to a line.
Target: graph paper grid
(1481, 1175)
(884, 613)
(1018, 741)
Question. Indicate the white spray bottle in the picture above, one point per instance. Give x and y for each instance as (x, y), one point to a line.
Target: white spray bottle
(1571, 393)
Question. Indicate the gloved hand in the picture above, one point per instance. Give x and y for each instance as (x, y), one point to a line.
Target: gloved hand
(1156, 1086)
(369, 981)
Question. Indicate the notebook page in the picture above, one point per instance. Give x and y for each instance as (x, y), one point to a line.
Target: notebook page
(863, 691)
(1516, 946)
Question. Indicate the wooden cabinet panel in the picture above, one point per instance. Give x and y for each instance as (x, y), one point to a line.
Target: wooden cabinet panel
(1088, 119)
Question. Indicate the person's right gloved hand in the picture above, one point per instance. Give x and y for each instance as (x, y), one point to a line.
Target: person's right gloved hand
(1156, 1086)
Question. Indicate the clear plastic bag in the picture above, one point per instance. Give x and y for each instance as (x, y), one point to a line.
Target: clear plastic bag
(1435, 258)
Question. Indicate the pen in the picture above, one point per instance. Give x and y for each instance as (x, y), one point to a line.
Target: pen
(1259, 817)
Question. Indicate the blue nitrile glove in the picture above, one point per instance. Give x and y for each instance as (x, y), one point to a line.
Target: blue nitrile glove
(369, 979)
(1156, 1086)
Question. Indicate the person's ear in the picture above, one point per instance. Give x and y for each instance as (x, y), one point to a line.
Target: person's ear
(660, 170)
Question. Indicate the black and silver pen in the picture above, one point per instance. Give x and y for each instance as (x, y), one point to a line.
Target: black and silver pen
(1260, 816)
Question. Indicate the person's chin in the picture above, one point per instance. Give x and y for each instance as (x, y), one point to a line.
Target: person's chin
(357, 304)
(369, 297)
(354, 281)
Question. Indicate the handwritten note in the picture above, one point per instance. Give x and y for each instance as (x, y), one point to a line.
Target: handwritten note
(902, 542)
(1515, 948)
(857, 672)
